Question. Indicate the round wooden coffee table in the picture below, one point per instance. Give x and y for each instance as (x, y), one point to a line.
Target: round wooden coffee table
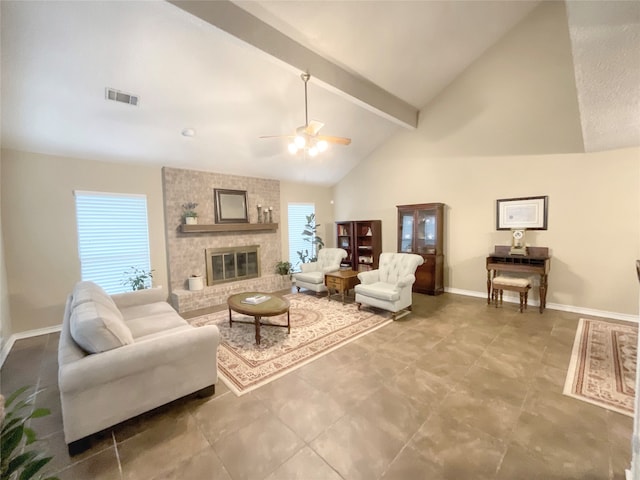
(276, 305)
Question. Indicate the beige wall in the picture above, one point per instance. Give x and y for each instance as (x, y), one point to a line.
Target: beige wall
(506, 128)
(5, 318)
(39, 225)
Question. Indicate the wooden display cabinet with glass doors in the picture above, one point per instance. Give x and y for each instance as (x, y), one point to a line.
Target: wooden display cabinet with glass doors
(420, 231)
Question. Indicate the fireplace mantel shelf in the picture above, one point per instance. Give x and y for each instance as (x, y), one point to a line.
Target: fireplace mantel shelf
(228, 227)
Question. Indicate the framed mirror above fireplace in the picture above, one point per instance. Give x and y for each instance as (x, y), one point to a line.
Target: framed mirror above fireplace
(230, 206)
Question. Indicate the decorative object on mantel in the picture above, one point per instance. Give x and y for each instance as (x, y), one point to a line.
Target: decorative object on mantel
(189, 214)
(230, 206)
(195, 283)
(526, 212)
(602, 370)
(259, 213)
(317, 328)
(270, 215)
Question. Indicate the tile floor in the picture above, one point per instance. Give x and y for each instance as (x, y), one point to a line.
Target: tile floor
(456, 390)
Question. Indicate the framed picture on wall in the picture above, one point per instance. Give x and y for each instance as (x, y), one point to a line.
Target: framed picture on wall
(230, 206)
(526, 212)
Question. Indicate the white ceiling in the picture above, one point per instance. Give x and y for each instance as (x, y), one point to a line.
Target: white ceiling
(58, 57)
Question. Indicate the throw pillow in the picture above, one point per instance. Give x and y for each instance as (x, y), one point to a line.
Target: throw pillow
(97, 328)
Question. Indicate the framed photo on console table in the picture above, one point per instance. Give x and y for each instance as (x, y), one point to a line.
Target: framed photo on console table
(526, 212)
(230, 206)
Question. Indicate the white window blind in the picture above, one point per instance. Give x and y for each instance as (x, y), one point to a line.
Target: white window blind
(113, 237)
(297, 220)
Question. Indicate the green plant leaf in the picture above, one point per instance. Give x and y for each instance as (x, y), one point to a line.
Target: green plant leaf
(30, 435)
(40, 412)
(11, 440)
(33, 468)
(10, 424)
(9, 400)
(19, 461)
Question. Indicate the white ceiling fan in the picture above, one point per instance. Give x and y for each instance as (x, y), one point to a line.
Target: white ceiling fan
(306, 137)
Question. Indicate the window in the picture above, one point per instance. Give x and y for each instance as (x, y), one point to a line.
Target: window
(113, 237)
(297, 220)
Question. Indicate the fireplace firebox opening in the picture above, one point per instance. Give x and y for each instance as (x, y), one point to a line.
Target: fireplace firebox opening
(231, 264)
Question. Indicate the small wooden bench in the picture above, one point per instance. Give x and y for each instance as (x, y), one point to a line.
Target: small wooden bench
(514, 284)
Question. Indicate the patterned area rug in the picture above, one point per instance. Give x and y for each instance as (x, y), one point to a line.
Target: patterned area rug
(318, 326)
(603, 365)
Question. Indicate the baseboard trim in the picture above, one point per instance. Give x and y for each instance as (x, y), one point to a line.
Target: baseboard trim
(513, 298)
(6, 348)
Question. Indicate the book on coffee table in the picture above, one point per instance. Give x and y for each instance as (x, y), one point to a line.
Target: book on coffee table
(256, 299)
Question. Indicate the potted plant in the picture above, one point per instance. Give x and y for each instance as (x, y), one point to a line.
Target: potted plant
(310, 234)
(283, 268)
(15, 461)
(136, 278)
(189, 214)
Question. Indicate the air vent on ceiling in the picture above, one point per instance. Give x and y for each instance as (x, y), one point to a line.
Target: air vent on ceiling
(118, 96)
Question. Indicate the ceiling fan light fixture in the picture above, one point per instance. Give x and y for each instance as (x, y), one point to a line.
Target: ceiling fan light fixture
(322, 145)
(306, 139)
(300, 141)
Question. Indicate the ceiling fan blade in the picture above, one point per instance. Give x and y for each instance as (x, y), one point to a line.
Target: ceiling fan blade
(339, 140)
(276, 136)
(314, 127)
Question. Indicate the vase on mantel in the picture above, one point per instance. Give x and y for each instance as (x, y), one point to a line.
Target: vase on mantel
(191, 220)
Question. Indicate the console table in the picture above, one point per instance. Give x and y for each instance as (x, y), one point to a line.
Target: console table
(537, 261)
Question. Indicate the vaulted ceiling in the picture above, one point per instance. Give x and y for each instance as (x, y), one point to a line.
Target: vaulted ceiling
(231, 72)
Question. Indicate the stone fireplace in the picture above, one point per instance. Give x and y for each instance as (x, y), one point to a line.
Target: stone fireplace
(187, 248)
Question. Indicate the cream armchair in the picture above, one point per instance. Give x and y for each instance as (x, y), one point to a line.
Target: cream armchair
(311, 275)
(389, 287)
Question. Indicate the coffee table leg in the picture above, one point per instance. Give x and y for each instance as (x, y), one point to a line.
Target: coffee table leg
(230, 317)
(288, 323)
(257, 322)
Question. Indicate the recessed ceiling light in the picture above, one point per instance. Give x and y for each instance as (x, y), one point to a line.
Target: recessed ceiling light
(189, 132)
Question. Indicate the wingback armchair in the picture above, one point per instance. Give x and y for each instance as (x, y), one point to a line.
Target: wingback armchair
(311, 275)
(389, 287)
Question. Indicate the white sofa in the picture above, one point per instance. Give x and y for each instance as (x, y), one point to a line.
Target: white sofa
(311, 274)
(122, 355)
(389, 287)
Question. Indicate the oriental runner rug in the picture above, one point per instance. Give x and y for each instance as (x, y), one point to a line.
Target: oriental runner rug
(318, 326)
(602, 370)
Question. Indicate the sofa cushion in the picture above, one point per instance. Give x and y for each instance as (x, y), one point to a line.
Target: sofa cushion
(147, 310)
(379, 290)
(154, 323)
(96, 327)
